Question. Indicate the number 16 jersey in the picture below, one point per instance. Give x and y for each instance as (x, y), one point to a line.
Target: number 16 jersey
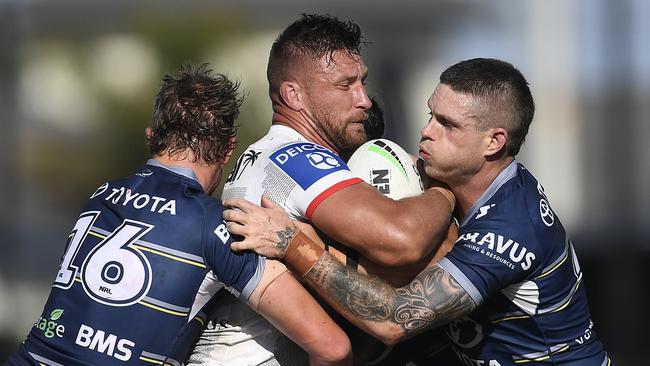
(142, 265)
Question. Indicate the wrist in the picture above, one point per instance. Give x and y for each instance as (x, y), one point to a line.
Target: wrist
(302, 254)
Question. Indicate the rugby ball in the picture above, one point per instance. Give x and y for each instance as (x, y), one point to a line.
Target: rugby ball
(386, 166)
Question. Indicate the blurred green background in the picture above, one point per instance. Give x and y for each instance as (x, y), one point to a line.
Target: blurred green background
(77, 81)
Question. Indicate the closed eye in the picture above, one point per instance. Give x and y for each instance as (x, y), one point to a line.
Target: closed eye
(444, 122)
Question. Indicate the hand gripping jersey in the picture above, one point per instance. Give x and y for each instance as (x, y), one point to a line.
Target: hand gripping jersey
(298, 175)
(515, 260)
(142, 263)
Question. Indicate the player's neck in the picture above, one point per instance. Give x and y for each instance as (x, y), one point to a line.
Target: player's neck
(307, 128)
(205, 173)
(470, 190)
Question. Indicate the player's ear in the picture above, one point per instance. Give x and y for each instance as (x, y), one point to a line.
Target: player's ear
(497, 139)
(148, 133)
(232, 143)
(290, 94)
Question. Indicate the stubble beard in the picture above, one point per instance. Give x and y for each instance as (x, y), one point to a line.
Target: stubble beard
(346, 135)
(434, 171)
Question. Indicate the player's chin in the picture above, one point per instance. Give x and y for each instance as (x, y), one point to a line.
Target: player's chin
(428, 165)
(436, 173)
(356, 135)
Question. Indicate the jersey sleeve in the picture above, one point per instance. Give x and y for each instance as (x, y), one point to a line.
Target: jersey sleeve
(484, 262)
(301, 175)
(239, 272)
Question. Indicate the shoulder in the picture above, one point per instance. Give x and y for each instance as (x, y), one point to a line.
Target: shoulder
(517, 219)
(250, 165)
(204, 205)
(306, 162)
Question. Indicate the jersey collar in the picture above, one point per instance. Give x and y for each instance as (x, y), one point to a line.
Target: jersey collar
(287, 132)
(508, 173)
(181, 170)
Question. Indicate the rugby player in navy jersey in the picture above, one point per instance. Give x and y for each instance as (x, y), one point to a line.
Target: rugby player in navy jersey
(317, 89)
(150, 253)
(510, 291)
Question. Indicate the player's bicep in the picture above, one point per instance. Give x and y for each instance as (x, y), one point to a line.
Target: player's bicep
(272, 270)
(351, 214)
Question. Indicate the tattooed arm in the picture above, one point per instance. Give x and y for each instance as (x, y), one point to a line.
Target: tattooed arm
(432, 299)
(390, 314)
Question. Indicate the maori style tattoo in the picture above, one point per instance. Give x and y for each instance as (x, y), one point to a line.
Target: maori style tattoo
(284, 239)
(432, 299)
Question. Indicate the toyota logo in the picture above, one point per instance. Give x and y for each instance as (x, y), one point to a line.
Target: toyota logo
(322, 160)
(547, 214)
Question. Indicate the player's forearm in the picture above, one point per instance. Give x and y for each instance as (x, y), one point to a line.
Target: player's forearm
(432, 299)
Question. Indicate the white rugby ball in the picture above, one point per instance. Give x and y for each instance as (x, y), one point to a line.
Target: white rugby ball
(385, 165)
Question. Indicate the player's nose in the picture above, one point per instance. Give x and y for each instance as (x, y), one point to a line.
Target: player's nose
(362, 100)
(429, 131)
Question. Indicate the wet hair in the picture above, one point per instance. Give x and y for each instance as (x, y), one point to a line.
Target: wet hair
(498, 85)
(312, 36)
(195, 110)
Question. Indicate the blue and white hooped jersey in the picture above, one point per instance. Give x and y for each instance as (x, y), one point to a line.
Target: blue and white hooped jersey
(142, 265)
(515, 260)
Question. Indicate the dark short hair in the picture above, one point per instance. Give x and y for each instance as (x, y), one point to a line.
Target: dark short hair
(312, 36)
(499, 85)
(374, 124)
(195, 110)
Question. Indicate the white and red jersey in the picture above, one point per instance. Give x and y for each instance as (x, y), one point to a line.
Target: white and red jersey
(295, 173)
(298, 175)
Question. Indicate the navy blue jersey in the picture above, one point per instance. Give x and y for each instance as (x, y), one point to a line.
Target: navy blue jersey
(142, 264)
(517, 263)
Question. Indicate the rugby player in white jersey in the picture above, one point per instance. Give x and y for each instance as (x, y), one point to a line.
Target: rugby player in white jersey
(316, 85)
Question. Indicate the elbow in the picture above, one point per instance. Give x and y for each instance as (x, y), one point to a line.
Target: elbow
(391, 337)
(390, 341)
(333, 353)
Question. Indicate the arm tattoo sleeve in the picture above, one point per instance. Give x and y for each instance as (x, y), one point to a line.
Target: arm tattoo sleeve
(432, 299)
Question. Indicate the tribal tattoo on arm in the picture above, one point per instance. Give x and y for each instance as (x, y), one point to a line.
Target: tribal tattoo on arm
(432, 299)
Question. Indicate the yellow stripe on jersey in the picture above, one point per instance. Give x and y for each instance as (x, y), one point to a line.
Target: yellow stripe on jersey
(178, 313)
(542, 358)
(561, 349)
(146, 359)
(573, 292)
(510, 318)
(200, 320)
(201, 265)
(554, 268)
(96, 234)
(533, 360)
(173, 257)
